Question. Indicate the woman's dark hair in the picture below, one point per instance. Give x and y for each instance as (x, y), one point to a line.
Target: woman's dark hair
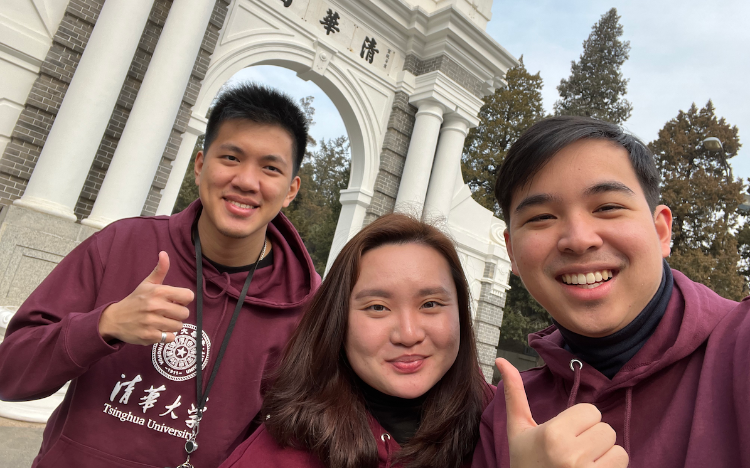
(543, 140)
(314, 403)
(263, 105)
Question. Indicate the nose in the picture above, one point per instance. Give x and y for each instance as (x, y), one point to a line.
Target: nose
(247, 178)
(409, 330)
(579, 235)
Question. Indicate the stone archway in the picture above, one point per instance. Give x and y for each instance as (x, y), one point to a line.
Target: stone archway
(406, 75)
(254, 35)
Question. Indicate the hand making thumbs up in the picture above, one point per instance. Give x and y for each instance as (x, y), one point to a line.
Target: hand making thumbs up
(152, 308)
(574, 438)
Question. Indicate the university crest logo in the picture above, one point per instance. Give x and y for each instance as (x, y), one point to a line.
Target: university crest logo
(177, 360)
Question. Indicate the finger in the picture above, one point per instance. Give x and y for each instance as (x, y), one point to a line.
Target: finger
(596, 441)
(167, 325)
(516, 403)
(577, 419)
(182, 296)
(616, 457)
(173, 312)
(157, 338)
(160, 272)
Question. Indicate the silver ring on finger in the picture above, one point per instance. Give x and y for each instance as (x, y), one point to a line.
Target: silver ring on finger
(163, 337)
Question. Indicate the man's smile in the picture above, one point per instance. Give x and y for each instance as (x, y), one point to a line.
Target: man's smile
(589, 280)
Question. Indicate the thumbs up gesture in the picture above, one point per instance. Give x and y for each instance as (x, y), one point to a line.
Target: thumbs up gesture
(152, 308)
(574, 438)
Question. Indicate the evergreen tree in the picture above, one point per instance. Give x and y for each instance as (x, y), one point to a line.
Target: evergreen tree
(704, 197)
(188, 190)
(504, 116)
(522, 315)
(596, 86)
(315, 210)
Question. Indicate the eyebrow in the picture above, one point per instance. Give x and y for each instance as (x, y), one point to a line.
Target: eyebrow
(434, 291)
(231, 147)
(534, 200)
(269, 157)
(609, 186)
(385, 294)
(274, 158)
(602, 187)
(373, 293)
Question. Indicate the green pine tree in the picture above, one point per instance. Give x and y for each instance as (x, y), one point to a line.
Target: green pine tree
(188, 190)
(504, 116)
(704, 197)
(596, 86)
(315, 210)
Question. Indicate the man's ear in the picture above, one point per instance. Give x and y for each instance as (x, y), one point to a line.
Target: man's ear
(509, 248)
(663, 224)
(198, 168)
(293, 191)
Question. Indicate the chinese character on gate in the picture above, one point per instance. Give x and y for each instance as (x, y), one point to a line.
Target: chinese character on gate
(287, 3)
(369, 46)
(331, 22)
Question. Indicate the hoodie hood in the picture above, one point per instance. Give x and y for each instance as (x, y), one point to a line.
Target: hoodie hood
(691, 316)
(680, 401)
(289, 282)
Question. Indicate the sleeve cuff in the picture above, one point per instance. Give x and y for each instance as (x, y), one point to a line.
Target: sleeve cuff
(83, 342)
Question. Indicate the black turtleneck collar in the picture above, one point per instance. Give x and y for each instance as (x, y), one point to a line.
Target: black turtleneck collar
(399, 416)
(608, 354)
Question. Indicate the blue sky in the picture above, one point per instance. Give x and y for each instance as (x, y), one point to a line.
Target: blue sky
(681, 52)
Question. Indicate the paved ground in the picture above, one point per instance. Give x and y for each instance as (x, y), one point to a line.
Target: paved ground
(19, 443)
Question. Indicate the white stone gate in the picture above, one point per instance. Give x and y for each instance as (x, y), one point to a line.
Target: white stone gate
(102, 125)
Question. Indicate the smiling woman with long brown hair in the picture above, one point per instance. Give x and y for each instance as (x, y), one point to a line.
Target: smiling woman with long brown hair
(382, 370)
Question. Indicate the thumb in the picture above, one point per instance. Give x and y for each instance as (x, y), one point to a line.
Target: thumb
(516, 404)
(160, 272)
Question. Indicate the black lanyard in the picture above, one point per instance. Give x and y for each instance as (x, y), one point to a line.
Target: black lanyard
(202, 397)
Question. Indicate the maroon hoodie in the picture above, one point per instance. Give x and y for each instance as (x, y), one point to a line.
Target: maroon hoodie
(682, 401)
(131, 405)
(261, 450)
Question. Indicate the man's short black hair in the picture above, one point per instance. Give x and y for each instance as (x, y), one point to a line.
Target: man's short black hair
(540, 143)
(264, 105)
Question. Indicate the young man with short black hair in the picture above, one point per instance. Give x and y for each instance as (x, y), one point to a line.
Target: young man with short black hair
(231, 279)
(639, 355)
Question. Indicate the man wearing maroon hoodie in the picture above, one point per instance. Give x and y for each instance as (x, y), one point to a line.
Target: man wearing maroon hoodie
(638, 355)
(231, 277)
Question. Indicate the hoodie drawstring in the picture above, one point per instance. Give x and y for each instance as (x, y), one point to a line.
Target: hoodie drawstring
(628, 409)
(628, 400)
(223, 292)
(386, 437)
(576, 381)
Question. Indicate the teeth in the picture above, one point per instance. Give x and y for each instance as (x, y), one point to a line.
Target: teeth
(241, 205)
(588, 280)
